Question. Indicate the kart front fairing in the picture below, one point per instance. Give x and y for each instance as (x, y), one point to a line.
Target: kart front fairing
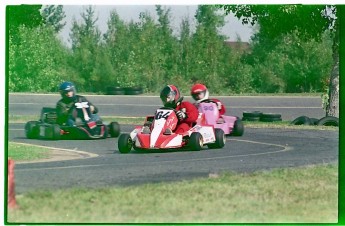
(212, 117)
(160, 136)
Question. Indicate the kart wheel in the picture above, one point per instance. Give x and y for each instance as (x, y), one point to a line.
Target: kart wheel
(125, 143)
(31, 130)
(55, 132)
(220, 139)
(195, 141)
(114, 129)
(238, 128)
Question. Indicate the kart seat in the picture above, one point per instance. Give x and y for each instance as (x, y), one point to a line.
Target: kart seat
(48, 115)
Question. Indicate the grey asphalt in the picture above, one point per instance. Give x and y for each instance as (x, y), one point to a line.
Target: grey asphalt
(257, 149)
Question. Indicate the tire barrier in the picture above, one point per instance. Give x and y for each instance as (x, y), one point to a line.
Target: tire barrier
(115, 90)
(328, 121)
(325, 121)
(302, 120)
(259, 116)
(11, 195)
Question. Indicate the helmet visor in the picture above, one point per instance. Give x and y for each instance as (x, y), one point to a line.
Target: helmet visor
(168, 99)
(198, 95)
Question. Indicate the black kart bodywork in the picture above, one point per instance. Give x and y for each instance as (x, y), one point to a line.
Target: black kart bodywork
(47, 128)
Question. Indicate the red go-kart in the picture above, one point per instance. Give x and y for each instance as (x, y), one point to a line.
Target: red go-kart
(157, 134)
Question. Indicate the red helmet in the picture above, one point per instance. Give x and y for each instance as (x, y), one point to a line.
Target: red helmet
(170, 96)
(199, 92)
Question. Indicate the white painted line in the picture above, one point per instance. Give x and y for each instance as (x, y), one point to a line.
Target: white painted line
(283, 149)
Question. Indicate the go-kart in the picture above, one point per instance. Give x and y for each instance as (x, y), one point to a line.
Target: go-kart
(47, 128)
(231, 125)
(157, 134)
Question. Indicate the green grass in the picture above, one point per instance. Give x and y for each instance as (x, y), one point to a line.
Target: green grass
(307, 194)
(21, 152)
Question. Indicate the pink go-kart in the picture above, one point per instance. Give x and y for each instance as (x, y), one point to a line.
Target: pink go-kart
(231, 125)
(157, 134)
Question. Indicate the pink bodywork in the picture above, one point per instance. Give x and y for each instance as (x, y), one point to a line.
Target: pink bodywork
(212, 117)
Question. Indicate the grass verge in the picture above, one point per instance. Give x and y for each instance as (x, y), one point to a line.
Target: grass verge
(22, 152)
(302, 195)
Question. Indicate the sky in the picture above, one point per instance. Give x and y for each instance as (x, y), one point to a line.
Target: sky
(232, 28)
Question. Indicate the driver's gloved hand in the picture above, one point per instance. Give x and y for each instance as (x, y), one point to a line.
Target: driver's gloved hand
(181, 115)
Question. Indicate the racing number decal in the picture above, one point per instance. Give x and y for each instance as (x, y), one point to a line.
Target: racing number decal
(208, 108)
(160, 115)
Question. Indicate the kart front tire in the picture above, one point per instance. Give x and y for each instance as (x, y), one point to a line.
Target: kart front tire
(220, 139)
(31, 130)
(125, 143)
(195, 141)
(238, 128)
(114, 129)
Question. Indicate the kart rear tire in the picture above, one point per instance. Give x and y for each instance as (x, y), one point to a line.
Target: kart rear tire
(238, 128)
(195, 141)
(125, 143)
(220, 139)
(55, 132)
(114, 129)
(31, 130)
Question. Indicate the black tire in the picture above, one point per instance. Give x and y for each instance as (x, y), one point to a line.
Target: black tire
(114, 129)
(53, 132)
(115, 90)
(125, 143)
(252, 114)
(270, 115)
(252, 119)
(314, 121)
(31, 130)
(195, 141)
(270, 119)
(328, 121)
(302, 120)
(133, 90)
(220, 139)
(238, 128)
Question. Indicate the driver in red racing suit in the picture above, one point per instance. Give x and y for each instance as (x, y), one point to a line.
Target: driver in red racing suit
(186, 112)
(200, 93)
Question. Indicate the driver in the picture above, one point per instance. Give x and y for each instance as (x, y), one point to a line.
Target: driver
(200, 93)
(66, 107)
(186, 112)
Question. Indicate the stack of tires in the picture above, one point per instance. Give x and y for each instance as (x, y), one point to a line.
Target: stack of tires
(116, 90)
(325, 121)
(259, 116)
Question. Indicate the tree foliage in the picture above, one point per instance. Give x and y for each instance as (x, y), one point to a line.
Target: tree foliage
(53, 16)
(307, 21)
(147, 53)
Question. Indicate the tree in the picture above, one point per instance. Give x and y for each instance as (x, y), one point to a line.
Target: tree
(308, 21)
(86, 42)
(22, 15)
(53, 16)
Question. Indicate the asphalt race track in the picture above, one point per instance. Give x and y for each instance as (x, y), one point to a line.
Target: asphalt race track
(257, 149)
